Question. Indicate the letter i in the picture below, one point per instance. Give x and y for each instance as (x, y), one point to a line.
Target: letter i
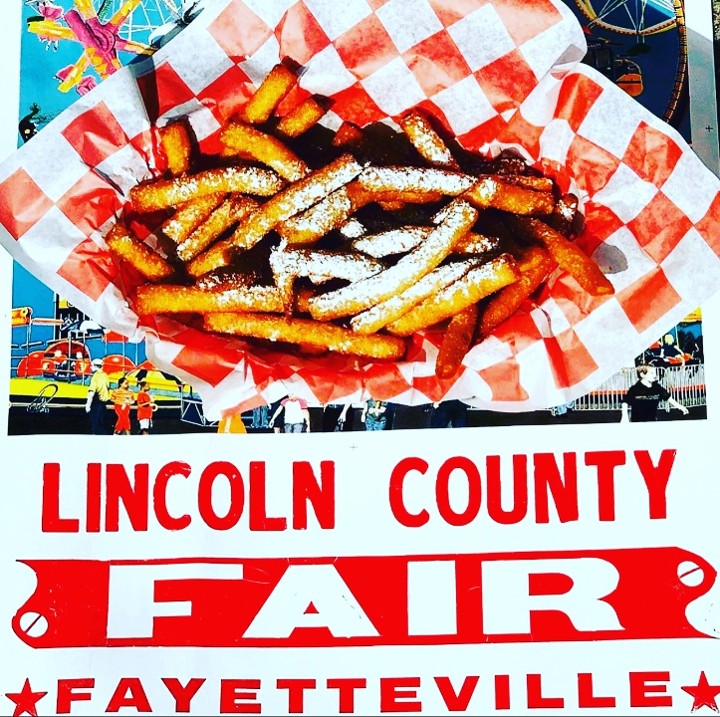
(94, 497)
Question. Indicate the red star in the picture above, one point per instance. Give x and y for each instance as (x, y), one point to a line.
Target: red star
(26, 700)
(703, 694)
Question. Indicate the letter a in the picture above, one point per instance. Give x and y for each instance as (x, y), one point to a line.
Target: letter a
(336, 608)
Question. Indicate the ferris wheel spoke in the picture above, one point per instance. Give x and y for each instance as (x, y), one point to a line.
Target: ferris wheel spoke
(137, 48)
(123, 13)
(628, 17)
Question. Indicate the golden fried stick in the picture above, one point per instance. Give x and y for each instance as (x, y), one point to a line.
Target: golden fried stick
(322, 265)
(263, 148)
(301, 118)
(469, 289)
(276, 84)
(328, 214)
(229, 279)
(308, 332)
(169, 192)
(456, 342)
(417, 180)
(333, 211)
(392, 241)
(534, 265)
(125, 245)
(568, 255)
(176, 144)
(352, 229)
(402, 239)
(496, 193)
(458, 218)
(189, 216)
(319, 266)
(528, 181)
(348, 135)
(176, 299)
(231, 211)
(292, 200)
(427, 141)
(380, 315)
(478, 244)
(566, 217)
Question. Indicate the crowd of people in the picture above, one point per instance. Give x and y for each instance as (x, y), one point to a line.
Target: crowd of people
(292, 414)
(123, 400)
(60, 367)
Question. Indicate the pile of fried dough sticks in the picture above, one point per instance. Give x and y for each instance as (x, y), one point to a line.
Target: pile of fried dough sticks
(330, 244)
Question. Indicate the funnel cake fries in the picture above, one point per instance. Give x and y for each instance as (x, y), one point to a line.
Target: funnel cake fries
(346, 242)
(172, 192)
(140, 256)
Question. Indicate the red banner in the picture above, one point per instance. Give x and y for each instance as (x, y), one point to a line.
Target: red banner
(347, 601)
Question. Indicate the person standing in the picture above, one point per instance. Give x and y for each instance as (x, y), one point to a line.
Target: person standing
(450, 413)
(97, 399)
(297, 416)
(374, 415)
(81, 366)
(641, 401)
(145, 407)
(122, 398)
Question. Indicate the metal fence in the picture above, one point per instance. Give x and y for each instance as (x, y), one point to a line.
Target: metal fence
(685, 383)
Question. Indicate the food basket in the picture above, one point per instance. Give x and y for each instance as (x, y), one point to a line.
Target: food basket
(497, 75)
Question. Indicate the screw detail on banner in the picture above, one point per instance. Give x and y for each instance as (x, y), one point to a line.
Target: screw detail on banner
(690, 573)
(33, 624)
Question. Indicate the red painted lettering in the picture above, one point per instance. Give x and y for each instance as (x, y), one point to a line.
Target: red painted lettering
(296, 693)
(167, 521)
(457, 701)
(586, 697)
(398, 694)
(397, 504)
(68, 692)
(239, 697)
(94, 498)
(205, 495)
(129, 693)
(519, 491)
(132, 495)
(502, 692)
(606, 462)
(656, 478)
(535, 697)
(471, 476)
(259, 519)
(649, 689)
(563, 488)
(346, 687)
(183, 694)
(321, 495)
(51, 520)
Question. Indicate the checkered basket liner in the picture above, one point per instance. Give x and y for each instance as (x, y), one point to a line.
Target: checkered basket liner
(498, 74)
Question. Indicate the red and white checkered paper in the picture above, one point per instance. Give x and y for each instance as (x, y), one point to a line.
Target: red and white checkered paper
(498, 73)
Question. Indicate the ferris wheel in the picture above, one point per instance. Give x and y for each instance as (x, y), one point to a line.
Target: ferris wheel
(631, 17)
(641, 24)
(141, 17)
(145, 16)
(105, 29)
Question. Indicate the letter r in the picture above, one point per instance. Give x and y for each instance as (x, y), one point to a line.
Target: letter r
(507, 602)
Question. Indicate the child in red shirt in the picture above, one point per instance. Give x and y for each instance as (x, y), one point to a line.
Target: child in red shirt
(145, 408)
